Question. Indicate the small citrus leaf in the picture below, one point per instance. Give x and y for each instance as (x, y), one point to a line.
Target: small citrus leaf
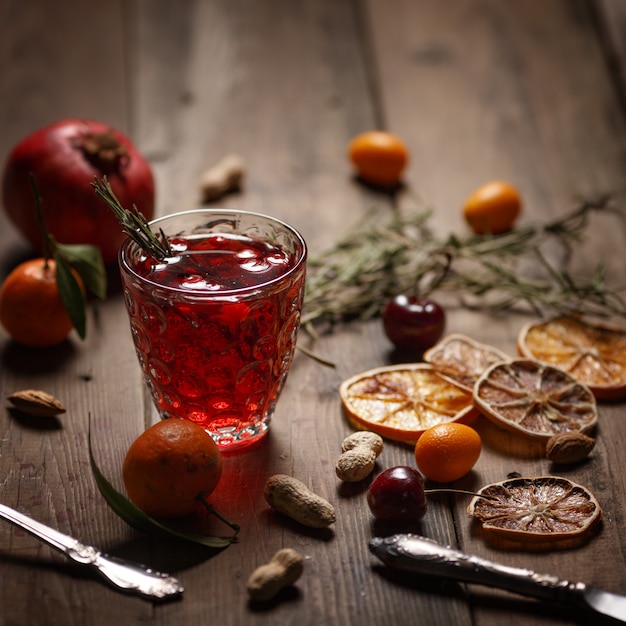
(136, 518)
(71, 295)
(87, 261)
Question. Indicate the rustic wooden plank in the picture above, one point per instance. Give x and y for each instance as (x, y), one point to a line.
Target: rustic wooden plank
(290, 116)
(58, 61)
(61, 61)
(489, 90)
(612, 18)
(44, 79)
(474, 88)
(291, 175)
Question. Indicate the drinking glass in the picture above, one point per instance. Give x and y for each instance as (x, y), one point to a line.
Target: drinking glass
(215, 325)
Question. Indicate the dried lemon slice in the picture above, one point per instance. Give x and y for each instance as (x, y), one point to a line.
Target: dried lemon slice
(535, 510)
(463, 359)
(535, 399)
(594, 354)
(400, 402)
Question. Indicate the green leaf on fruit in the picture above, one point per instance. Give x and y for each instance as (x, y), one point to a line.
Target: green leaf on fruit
(136, 518)
(87, 261)
(71, 295)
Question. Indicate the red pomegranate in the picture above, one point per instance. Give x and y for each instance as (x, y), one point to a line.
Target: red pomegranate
(64, 158)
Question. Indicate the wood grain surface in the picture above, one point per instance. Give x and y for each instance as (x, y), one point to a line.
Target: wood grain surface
(526, 90)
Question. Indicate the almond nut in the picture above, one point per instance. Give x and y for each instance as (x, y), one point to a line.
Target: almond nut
(37, 403)
(569, 447)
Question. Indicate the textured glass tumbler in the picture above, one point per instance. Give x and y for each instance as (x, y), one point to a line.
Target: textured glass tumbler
(215, 325)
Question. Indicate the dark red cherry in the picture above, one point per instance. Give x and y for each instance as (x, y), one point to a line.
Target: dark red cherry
(413, 324)
(397, 495)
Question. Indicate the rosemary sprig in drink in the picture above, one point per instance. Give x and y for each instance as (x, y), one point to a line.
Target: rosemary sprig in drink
(134, 223)
(355, 277)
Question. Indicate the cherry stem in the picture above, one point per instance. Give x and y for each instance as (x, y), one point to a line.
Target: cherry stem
(465, 491)
(48, 242)
(212, 510)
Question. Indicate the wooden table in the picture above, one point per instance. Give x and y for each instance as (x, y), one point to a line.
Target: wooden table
(525, 90)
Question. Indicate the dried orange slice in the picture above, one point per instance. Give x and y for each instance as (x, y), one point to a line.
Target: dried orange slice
(400, 402)
(534, 510)
(594, 354)
(463, 359)
(535, 399)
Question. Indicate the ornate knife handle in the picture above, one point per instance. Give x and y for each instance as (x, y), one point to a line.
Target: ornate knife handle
(122, 574)
(425, 556)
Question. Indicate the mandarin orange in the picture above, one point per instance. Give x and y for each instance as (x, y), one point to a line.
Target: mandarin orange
(492, 208)
(171, 467)
(379, 157)
(31, 309)
(447, 452)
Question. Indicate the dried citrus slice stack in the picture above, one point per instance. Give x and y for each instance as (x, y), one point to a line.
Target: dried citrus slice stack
(535, 399)
(594, 354)
(400, 402)
(535, 510)
(462, 359)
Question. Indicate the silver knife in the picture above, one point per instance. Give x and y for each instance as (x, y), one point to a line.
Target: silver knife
(424, 556)
(122, 574)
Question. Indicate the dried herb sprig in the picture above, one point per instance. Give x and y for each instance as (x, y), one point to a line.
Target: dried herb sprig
(134, 223)
(356, 277)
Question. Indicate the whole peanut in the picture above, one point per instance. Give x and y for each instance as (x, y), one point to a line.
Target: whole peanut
(222, 178)
(282, 571)
(293, 498)
(359, 453)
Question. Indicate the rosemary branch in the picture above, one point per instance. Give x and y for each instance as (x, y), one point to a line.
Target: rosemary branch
(356, 277)
(134, 223)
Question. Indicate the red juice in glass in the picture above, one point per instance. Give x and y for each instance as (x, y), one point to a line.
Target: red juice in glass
(215, 325)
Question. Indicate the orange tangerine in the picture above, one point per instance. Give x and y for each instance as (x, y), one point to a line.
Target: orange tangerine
(492, 208)
(31, 309)
(535, 399)
(534, 510)
(447, 452)
(171, 467)
(594, 354)
(379, 157)
(400, 402)
(463, 359)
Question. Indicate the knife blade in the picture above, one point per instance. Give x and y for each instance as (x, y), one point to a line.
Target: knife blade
(122, 574)
(422, 555)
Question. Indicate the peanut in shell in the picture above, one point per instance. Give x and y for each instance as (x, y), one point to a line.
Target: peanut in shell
(293, 498)
(269, 579)
(359, 453)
